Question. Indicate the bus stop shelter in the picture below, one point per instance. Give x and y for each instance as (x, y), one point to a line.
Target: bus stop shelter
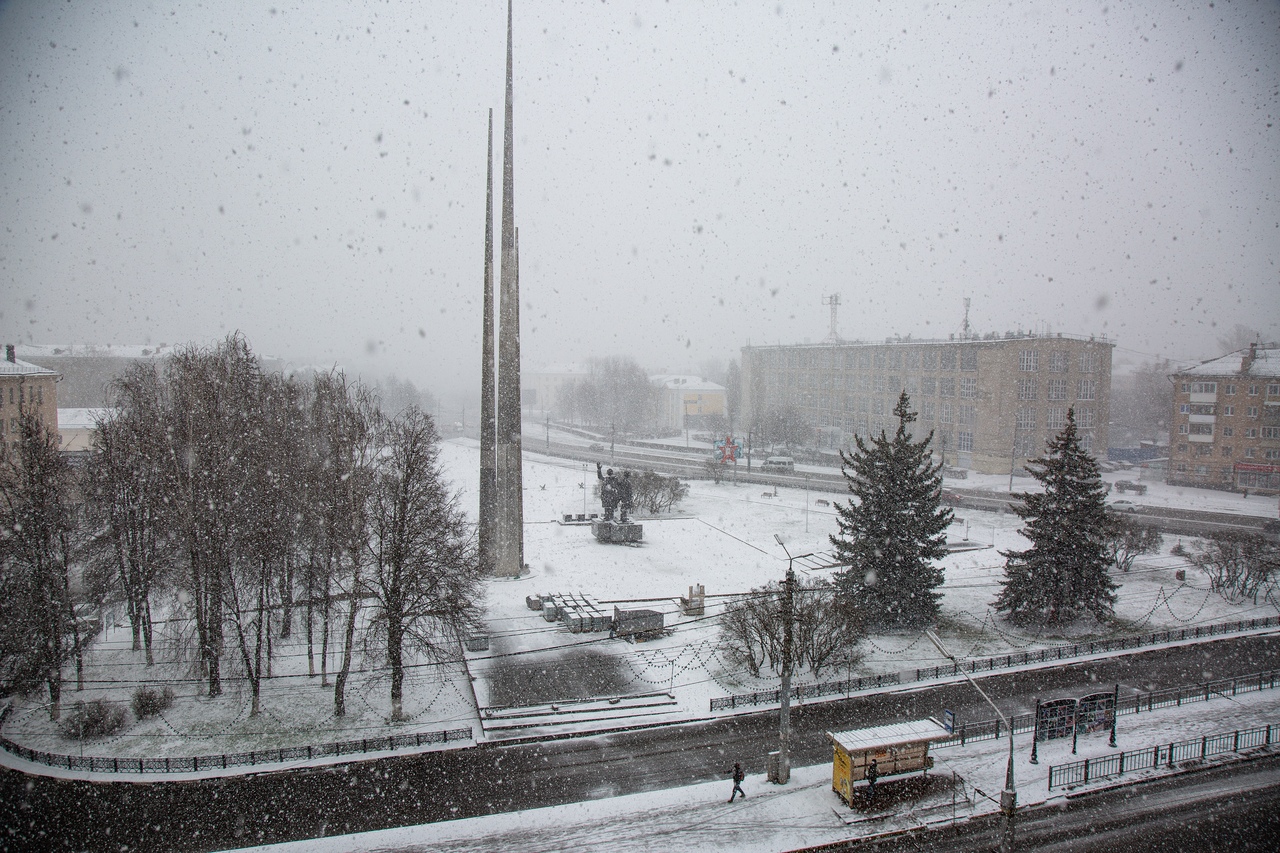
(896, 748)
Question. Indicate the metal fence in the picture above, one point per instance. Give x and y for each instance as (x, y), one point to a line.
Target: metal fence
(1139, 703)
(804, 691)
(240, 759)
(1161, 755)
(1092, 647)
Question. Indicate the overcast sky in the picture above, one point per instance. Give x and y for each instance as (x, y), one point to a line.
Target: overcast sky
(690, 177)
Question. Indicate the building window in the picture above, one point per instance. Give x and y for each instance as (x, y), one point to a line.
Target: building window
(969, 359)
(929, 359)
(1025, 419)
(1253, 391)
(1056, 418)
(1086, 442)
(1273, 389)
(944, 416)
(946, 387)
(1253, 411)
(1229, 389)
(948, 359)
(1028, 360)
(1271, 432)
(1204, 387)
(1057, 389)
(1204, 449)
(1086, 389)
(927, 410)
(1182, 448)
(1202, 429)
(964, 442)
(928, 386)
(1184, 409)
(1182, 429)
(1085, 418)
(895, 360)
(968, 388)
(1026, 389)
(1202, 470)
(1228, 432)
(1252, 432)
(1059, 361)
(1271, 454)
(1226, 451)
(1088, 362)
(877, 360)
(1248, 453)
(1228, 410)
(912, 361)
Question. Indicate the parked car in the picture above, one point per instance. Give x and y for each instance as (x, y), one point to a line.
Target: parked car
(1123, 506)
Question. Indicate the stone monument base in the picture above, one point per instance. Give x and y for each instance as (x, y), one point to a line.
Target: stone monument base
(617, 531)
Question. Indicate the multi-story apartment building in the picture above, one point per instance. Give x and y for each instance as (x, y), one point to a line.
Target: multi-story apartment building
(1226, 422)
(25, 387)
(992, 402)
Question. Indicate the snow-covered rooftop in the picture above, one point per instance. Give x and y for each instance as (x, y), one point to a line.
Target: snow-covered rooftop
(18, 367)
(1265, 365)
(894, 734)
(679, 382)
(96, 350)
(80, 418)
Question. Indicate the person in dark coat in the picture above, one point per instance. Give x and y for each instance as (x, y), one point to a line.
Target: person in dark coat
(624, 496)
(738, 776)
(872, 772)
(608, 491)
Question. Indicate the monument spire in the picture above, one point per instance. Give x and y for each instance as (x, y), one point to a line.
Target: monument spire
(510, 491)
(488, 483)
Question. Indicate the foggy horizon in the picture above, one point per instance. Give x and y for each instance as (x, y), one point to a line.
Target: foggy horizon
(688, 181)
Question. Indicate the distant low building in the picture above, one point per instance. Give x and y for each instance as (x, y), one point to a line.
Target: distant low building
(25, 387)
(1226, 422)
(76, 428)
(689, 401)
(547, 390)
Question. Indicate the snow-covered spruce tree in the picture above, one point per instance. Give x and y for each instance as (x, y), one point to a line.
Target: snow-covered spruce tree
(1063, 575)
(893, 528)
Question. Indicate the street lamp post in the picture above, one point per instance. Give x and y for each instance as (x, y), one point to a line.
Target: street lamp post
(1009, 796)
(784, 710)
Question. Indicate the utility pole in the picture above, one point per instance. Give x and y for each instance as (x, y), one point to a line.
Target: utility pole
(783, 774)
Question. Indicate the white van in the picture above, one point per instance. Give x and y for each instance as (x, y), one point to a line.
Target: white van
(779, 464)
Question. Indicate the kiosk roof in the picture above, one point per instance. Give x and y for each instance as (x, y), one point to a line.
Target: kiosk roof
(893, 734)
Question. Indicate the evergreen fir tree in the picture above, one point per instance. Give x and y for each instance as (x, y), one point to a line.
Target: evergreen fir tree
(893, 528)
(1063, 575)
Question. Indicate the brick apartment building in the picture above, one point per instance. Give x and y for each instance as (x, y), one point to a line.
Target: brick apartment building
(992, 402)
(1226, 422)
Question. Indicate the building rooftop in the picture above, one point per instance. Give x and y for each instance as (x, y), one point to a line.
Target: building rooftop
(678, 382)
(989, 338)
(18, 367)
(1261, 361)
(81, 418)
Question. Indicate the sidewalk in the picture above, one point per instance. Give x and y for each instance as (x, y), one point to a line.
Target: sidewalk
(806, 811)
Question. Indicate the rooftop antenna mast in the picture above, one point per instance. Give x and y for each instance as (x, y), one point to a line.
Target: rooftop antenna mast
(964, 329)
(834, 301)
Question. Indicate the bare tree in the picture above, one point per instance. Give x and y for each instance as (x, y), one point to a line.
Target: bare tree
(425, 576)
(125, 490)
(657, 493)
(1240, 566)
(826, 628)
(1128, 540)
(37, 529)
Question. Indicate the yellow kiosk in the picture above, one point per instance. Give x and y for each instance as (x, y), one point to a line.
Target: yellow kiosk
(897, 748)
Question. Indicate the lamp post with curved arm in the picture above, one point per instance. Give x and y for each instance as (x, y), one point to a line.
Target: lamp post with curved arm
(1009, 796)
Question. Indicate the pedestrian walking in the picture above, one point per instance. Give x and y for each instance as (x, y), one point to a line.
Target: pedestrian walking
(738, 776)
(873, 771)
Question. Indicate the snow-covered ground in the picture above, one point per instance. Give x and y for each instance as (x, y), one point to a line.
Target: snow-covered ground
(721, 537)
(806, 811)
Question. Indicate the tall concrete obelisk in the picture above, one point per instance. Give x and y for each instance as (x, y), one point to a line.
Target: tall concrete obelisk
(510, 479)
(488, 458)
